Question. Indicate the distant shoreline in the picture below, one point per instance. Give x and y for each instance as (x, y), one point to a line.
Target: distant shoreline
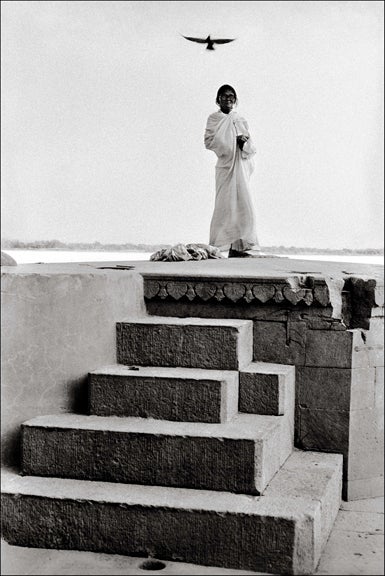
(56, 245)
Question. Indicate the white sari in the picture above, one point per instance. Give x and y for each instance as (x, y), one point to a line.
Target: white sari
(234, 218)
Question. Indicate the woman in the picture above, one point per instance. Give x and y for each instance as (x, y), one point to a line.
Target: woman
(233, 225)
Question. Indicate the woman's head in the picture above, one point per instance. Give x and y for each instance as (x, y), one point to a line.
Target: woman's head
(226, 98)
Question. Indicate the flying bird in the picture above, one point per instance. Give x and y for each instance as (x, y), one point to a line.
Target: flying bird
(209, 41)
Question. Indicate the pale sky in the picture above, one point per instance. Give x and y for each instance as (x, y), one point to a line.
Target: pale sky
(104, 107)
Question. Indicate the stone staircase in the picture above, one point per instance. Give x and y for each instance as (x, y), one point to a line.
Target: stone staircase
(186, 454)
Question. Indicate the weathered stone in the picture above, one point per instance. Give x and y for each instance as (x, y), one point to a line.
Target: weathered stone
(263, 388)
(193, 342)
(280, 533)
(323, 387)
(335, 388)
(315, 476)
(151, 288)
(362, 300)
(239, 456)
(296, 295)
(234, 291)
(362, 388)
(321, 294)
(336, 349)
(219, 307)
(373, 342)
(260, 393)
(321, 319)
(263, 292)
(324, 430)
(58, 323)
(366, 444)
(379, 387)
(177, 290)
(178, 394)
(269, 389)
(278, 342)
(205, 290)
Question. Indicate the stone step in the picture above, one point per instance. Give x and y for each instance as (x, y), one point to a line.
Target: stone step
(282, 532)
(178, 394)
(266, 388)
(218, 344)
(238, 456)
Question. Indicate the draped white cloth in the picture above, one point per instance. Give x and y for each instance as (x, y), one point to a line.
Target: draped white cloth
(234, 217)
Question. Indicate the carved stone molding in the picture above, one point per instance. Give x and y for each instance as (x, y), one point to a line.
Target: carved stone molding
(292, 290)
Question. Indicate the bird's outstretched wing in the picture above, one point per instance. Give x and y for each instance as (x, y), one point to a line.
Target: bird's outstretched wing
(222, 40)
(200, 40)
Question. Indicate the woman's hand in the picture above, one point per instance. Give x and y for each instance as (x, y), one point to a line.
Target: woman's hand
(241, 139)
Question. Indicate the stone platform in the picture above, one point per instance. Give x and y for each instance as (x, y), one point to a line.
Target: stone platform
(324, 318)
(284, 353)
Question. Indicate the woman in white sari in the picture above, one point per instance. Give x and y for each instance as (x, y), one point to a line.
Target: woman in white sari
(233, 225)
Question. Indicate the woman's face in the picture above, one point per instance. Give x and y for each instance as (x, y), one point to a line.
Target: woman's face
(227, 101)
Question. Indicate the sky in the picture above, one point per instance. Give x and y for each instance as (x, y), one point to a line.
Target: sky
(104, 106)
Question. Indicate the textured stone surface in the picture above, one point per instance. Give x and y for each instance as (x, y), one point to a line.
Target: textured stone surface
(181, 394)
(239, 456)
(164, 534)
(335, 388)
(293, 289)
(317, 477)
(58, 322)
(366, 444)
(316, 317)
(323, 387)
(337, 349)
(17, 560)
(260, 393)
(193, 342)
(263, 388)
(379, 387)
(374, 342)
(356, 543)
(279, 342)
(278, 533)
(347, 552)
(326, 430)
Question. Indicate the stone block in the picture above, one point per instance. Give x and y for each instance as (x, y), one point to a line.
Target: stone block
(239, 456)
(177, 394)
(336, 349)
(193, 342)
(379, 387)
(280, 342)
(270, 389)
(323, 430)
(323, 388)
(363, 389)
(374, 342)
(314, 476)
(335, 388)
(281, 533)
(366, 444)
(58, 323)
(263, 388)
